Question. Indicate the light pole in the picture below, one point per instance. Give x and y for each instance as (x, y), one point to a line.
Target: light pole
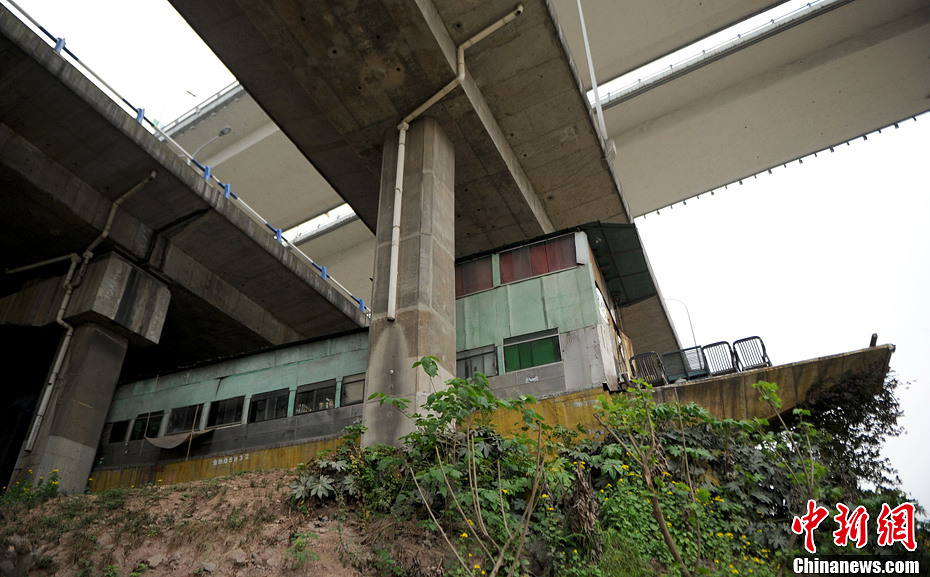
(226, 130)
(687, 312)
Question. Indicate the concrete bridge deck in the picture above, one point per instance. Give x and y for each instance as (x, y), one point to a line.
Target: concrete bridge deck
(336, 79)
(67, 151)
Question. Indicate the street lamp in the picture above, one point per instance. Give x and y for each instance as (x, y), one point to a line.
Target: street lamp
(226, 130)
(687, 312)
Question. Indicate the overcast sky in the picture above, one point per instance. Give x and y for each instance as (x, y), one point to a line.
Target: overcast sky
(813, 258)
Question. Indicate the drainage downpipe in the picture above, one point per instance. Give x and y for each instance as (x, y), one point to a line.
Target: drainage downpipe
(73, 279)
(402, 143)
(59, 357)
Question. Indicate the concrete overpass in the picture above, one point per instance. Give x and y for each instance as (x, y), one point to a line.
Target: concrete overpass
(182, 274)
(519, 133)
(830, 72)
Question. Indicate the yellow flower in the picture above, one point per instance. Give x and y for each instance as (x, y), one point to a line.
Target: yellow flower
(56, 470)
(602, 490)
(719, 534)
(609, 485)
(624, 466)
(550, 508)
(471, 523)
(469, 554)
(575, 551)
(544, 496)
(29, 471)
(464, 535)
(666, 474)
(90, 478)
(477, 566)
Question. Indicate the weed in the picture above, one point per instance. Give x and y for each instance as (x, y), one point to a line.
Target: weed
(299, 550)
(385, 564)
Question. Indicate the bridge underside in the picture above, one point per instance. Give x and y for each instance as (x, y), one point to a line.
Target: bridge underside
(854, 67)
(67, 151)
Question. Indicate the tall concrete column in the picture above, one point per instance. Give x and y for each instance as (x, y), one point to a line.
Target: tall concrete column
(425, 320)
(115, 303)
(70, 430)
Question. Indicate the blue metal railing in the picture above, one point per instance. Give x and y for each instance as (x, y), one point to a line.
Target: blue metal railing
(60, 47)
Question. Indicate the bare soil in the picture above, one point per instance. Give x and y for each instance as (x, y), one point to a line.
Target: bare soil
(239, 526)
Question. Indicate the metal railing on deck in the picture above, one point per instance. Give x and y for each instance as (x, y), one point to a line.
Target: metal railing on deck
(698, 362)
(58, 45)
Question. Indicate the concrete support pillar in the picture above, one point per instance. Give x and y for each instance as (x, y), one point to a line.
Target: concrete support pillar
(70, 430)
(425, 323)
(115, 303)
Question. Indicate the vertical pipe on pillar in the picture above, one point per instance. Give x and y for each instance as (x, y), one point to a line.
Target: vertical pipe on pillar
(70, 283)
(59, 356)
(395, 223)
(401, 143)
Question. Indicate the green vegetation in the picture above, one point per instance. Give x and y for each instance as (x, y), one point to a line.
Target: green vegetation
(658, 489)
(30, 491)
(299, 551)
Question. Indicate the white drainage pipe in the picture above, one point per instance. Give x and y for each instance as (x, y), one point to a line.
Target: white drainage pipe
(402, 143)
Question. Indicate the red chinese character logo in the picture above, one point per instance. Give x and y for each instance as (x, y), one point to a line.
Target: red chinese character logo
(896, 526)
(808, 523)
(851, 527)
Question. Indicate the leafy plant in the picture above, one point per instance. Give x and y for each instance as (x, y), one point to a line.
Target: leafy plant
(30, 491)
(299, 550)
(657, 489)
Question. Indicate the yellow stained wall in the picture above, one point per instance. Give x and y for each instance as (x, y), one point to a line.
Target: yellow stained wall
(216, 466)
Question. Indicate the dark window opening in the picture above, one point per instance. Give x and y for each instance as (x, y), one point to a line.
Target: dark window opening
(353, 390)
(480, 360)
(473, 276)
(146, 425)
(536, 259)
(225, 412)
(184, 419)
(268, 406)
(315, 397)
(532, 350)
(118, 431)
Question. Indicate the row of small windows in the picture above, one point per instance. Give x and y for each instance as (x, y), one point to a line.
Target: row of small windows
(522, 352)
(262, 407)
(515, 265)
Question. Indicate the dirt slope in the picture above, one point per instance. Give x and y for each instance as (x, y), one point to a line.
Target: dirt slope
(237, 526)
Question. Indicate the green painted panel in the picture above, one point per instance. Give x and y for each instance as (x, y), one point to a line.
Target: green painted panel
(527, 310)
(251, 375)
(563, 300)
